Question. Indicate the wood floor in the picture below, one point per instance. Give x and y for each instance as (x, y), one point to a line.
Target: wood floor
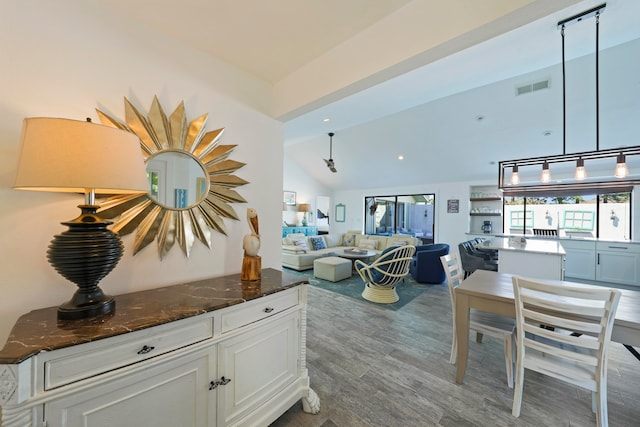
(377, 367)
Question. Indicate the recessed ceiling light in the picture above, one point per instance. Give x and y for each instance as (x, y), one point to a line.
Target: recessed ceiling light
(326, 120)
(400, 157)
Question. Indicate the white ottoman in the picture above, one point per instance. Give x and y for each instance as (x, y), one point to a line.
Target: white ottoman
(332, 268)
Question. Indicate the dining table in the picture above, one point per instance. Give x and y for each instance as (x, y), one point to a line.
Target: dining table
(492, 291)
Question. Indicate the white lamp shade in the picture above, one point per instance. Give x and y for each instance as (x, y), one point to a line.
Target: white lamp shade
(63, 155)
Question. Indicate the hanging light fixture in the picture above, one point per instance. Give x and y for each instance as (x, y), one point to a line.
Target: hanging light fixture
(515, 177)
(581, 173)
(546, 175)
(621, 167)
(570, 172)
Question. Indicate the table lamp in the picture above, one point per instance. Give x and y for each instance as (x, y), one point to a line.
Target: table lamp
(304, 207)
(63, 155)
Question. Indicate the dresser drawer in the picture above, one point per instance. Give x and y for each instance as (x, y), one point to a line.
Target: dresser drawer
(252, 311)
(86, 360)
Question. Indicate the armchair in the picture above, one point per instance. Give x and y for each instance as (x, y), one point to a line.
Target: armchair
(426, 266)
(382, 276)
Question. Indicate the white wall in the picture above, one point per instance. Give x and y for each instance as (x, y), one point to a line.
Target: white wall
(66, 58)
(296, 179)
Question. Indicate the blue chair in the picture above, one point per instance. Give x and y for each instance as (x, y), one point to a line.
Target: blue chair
(426, 266)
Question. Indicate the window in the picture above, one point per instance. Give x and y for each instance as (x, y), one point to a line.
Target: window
(605, 216)
(521, 219)
(402, 214)
(578, 220)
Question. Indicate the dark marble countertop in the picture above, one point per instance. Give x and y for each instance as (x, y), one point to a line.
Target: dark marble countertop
(40, 330)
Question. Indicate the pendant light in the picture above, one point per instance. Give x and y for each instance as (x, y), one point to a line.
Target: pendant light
(581, 172)
(515, 177)
(621, 167)
(546, 175)
(580, 181)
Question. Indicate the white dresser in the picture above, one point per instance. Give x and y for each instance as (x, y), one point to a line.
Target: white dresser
(217, 352)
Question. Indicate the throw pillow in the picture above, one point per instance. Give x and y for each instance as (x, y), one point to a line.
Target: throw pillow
(349, 240)
(302, 244)
(291, 238)
(399, 243)
(317, 243)
(368, 244)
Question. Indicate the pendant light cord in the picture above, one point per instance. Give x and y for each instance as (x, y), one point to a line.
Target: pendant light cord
(564, 99)
(597, 82)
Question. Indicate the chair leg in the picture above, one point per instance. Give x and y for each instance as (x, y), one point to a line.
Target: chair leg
(454, 349)
(517, 388)
(508, 359)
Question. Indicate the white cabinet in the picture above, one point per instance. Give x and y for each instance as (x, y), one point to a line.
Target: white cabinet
(580, 259)
(257, 366)
(236, 366)
(618, 263)
(168, 394)
(485, 204)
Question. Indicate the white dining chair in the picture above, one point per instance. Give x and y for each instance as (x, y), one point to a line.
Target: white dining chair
(481, 322)
(564, 332)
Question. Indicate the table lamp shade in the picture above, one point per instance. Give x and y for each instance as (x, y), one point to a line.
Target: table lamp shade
(62, 155)
(304, 207)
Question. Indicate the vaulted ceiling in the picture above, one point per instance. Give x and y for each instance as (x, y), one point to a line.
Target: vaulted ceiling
(433, 81)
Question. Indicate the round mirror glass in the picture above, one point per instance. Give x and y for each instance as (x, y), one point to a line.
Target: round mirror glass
(177, 180)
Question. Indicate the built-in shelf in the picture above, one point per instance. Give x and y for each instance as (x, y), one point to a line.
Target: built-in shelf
(485, 209)
(484, 199)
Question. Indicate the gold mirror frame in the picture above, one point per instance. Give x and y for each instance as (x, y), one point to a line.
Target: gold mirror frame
(159, 132)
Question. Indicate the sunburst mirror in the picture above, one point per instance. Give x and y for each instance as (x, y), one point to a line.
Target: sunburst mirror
(191, 181)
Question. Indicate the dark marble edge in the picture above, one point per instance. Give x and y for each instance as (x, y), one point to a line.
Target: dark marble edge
(39, 330)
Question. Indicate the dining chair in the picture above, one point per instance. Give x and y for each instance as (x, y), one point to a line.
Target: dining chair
(564, 332)
(381, 276)
(481, 322)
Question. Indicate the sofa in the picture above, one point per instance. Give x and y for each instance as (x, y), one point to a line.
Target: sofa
(299, 251)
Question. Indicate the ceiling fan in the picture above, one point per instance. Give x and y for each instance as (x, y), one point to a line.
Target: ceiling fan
(330, 164)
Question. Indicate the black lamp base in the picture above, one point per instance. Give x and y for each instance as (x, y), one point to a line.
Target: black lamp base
(71, 311)
(84, 254)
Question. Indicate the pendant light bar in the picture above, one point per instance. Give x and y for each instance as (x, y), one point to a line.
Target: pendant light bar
(524, 182)
(582, 16)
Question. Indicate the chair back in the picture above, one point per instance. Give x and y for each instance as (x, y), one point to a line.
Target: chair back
(564, 331)
(389, 268)
(453, 271)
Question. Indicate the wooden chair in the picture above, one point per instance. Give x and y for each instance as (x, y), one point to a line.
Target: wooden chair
(481, 322)
(382, 276)
(564, 332)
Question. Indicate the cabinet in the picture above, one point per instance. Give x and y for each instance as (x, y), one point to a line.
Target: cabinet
(485, 204)
(580, 259)
(618, 263)
(307, 231)
(237, 360)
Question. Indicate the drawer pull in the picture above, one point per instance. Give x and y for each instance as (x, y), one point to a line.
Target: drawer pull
(267, 310)
(618, 247)
(146, 349)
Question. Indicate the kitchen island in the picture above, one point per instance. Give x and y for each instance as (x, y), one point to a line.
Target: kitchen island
(539, 258)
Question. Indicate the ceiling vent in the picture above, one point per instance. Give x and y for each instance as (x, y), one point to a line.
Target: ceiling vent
(532, 87)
